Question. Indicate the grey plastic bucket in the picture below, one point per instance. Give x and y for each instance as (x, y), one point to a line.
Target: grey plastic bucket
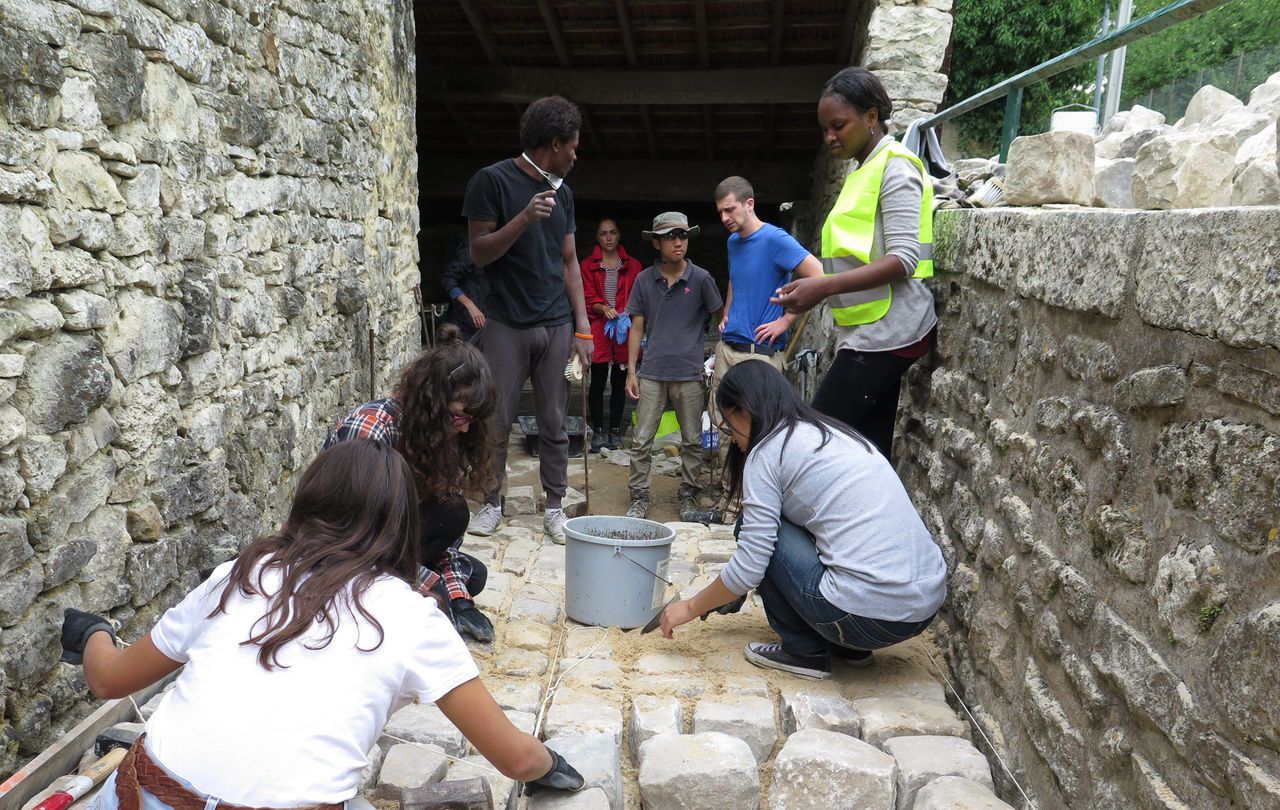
(615, 569)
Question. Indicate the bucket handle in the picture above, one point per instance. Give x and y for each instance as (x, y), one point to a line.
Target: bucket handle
(617, 552)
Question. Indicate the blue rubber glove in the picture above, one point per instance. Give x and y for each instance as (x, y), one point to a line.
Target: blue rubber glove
(621, 326)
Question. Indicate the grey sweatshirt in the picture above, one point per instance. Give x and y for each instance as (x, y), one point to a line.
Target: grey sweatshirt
(880, 560)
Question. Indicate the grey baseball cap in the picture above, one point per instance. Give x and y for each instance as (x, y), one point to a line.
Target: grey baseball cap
(671, 221)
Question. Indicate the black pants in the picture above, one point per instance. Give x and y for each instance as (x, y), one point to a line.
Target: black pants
(600, 372)
(861, 390)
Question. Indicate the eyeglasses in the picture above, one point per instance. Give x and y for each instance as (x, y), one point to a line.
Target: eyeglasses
(671, 236)
(461, 419)
(725, 428)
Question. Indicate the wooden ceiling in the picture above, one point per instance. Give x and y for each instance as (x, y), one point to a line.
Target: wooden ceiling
(672, 93)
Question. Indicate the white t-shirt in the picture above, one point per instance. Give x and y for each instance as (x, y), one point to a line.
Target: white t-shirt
(297, 735)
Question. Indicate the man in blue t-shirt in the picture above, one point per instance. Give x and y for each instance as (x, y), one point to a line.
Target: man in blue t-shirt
(762, 257)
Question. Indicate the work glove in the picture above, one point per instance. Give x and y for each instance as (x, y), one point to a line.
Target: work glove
(562, 776)
(728, 608)
(77, 626)
(470, 621)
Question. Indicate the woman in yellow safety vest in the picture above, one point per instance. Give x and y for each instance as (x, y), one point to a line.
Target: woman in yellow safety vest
(877, 246)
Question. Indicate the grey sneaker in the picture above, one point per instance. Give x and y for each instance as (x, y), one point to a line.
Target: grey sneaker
(486, 521)
(553, 525)
(639, 507)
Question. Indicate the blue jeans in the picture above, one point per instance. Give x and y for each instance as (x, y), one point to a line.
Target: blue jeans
(806, 622)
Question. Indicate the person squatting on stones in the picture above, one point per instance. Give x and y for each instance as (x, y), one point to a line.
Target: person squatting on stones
(877, 247)
(438, 418)
(669, 307)
(520, 220)
(607, 277)
(295, 654)
(762, 257)
(827, 535)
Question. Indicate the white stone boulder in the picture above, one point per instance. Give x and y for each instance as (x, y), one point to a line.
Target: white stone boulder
(801, 709)
(1206, 105)
(1135, 118)
(1125, 144)
(519, 501)
(652, 715)
(410, 766)
(1053, 167)
(957, 793)
(925, 758)
(1266, 97)
(477, 767)
(886, 718)
(907, 38)
(1258, 147)
(697, 771)
(424, 723)
(1184, 170)
(578, 712)
(1257, 184)
(1242, 124)
(747, 717)
(1113, 183)
(823, 770)
(598, 758)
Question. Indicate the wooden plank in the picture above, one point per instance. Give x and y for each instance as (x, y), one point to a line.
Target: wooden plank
(700, 23)
(552, 22)
(624, 24)
(62, 757)
(768, 85)
(481, 28)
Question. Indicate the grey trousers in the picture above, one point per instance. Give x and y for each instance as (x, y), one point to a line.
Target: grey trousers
(515, 355)
(686, 398)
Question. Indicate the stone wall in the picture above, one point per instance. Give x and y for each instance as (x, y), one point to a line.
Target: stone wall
(1096, 447)
(202, 204)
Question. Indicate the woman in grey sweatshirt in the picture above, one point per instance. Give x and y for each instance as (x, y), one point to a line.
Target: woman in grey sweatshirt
(827, 535)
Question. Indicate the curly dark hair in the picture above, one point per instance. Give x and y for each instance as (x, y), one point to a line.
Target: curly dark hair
(547, 119)
(446, 464)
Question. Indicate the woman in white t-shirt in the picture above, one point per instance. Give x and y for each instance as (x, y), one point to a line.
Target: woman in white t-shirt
(296, 653)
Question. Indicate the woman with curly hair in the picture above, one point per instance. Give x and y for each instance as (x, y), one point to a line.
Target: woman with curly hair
(438, 418)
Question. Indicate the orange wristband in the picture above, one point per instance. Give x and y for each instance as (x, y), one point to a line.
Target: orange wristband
(581, 336)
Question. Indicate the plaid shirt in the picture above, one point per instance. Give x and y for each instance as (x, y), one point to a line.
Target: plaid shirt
(380, 420)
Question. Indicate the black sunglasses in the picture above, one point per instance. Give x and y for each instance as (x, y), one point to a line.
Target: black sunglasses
(673, 235)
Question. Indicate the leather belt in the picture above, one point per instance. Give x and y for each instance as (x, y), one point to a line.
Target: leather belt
(139, 772)
(753, 348)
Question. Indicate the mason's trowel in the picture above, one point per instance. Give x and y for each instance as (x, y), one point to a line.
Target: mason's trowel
(657, 617)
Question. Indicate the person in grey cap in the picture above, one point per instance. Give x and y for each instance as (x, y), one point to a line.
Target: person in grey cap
(669, 306)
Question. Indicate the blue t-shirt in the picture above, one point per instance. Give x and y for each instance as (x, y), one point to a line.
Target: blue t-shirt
(759, 265)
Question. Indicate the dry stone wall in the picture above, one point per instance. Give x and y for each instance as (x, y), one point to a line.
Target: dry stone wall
(203, 206)
(1096, 448)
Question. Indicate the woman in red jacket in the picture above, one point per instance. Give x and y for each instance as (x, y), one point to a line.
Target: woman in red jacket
(607, 276)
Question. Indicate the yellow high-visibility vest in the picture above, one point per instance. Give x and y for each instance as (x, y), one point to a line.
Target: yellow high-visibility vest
(850, 228)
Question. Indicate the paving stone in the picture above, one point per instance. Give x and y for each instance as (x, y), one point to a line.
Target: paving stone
(583, 644)
(744, 685)
(925, 758)
(652, 715)
(526, 635)
(369, 776)
(533, 609)
(515, 558)
(477, 767)
(801, 709)
(677, 685)
(823, 770)
(746, 717)
(424, 723)
(957, 793)
(521, 663)
(715, 550)
(409, 766)
(885, 718)
(577, 712)
(593, 799)
(661, 664)
(521, 696)
(593, 673)
(597, 757)
(495, 593)
(698, 771)
(519, 501)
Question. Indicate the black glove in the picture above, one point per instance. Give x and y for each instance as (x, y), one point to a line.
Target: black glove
(562, 776)
(727, 608)
(470, 621)
(77, 626)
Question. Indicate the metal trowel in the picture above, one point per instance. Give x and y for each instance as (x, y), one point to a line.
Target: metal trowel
(657, 617)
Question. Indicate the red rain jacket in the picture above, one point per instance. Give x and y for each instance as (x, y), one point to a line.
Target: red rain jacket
(593, 288)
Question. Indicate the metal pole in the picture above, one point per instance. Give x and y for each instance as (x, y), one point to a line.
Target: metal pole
(1235, 85)
(1102, 62)
(1116, 83)
(1012, 119)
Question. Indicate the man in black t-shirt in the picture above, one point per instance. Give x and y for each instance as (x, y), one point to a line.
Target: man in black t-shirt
(520, 218)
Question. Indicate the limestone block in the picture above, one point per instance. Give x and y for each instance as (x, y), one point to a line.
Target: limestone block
(907, 38)
(14, 548)
(1189, 592)
(117, 72)
(577, 712)
(598, 758)
(1132, 120)
(1243, 124)
(536, 610)
(663, 664)
(1261, 146)
(1113, 183)
(823, 770)
(1126, 143)
(368, 777)
(519, 501)
(746, 717)
(803, 709)
(83, 310)
(168, 105)
(409, 766)
(732, 684)
(528, 636)
(1208, 104)
(574, 502)
(1053, 167)
(1184, 170)
(695, 771)
(913, 87)
(1257, 183)
(587, 644)
(424, 723)
(885, 718)
(957, 793)
(82, 180)
(594, 673)
(522, 696)
(521, 663)
(1158, 387)
(651, 716)
(587, 799)
(477, 767)
(18, 590)
(55, 24)
(79, 107)
(922, 759)
(144, 338)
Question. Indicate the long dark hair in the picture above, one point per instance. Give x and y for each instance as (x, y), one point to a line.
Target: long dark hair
(447, 464)
(354, 518)
(773, 404)
(862, 90)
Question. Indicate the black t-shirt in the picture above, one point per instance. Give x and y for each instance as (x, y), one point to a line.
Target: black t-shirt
(526, 284)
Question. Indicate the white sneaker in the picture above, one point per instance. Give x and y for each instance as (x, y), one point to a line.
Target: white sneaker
(486, 521)
(553, 525)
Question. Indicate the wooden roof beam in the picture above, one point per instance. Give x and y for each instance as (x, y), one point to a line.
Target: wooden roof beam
(646, 120)
(628, 38)
(552, 22)
(593, 135)
(481, 28)
(857, 17)
(700, 23)
(775, 59)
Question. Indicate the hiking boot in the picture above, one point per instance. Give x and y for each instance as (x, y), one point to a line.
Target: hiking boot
(486, 521)
(639, 507)
(772, 656)
(599, 439)
(615, 439)
(852, 657)
(553, 525)
(687, 503)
